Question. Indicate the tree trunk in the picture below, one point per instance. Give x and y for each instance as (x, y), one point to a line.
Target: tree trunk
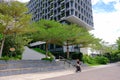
(2, 46)
(67, 50)
(46, 49)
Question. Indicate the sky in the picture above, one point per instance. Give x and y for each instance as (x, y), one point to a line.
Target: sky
(106, 16)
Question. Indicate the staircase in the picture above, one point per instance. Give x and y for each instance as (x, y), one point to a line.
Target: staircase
(70, 64)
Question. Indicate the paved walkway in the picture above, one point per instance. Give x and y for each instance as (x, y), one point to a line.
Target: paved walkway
(37, 76)
(45, 75)
(109, 72)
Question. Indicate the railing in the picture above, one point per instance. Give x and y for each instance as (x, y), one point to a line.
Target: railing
(66, 61)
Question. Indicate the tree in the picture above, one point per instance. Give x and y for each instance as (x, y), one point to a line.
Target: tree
(77, 35)
(118, 43)
(13, 20)
(49, 31)
(17, 42)
(72, 33)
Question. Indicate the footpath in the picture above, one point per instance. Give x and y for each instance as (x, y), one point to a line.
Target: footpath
(45, 75)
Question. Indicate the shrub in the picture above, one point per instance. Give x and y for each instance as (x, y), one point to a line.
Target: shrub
(113, 57)
(48, 59)
(88, 59)
(101, 60)
(44, 52)
(95, 60)
(77, 56)
(4, 58)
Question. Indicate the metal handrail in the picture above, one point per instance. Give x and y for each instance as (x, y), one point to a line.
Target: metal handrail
(65, 60)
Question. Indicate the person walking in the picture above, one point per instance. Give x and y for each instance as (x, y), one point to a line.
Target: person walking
(78, 68)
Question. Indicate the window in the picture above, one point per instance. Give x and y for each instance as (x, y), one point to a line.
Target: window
(55, 18)
(72, 12)
(51, 13)
(67, 5)
(59, 17)
(82, 18)
(71, 3)
(62, 14)
(58, 9)
(51, 46)
(75, 5)
(81, 10)
(67, 13)
(55, 12)
(62, 6)
(55, 5)
(51, 6)
(79, 16)
(76, 13)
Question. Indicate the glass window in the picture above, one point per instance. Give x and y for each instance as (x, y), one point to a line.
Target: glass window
(75, 5)
(71, 3)
(67, 13)
(79, 8)
(76, 13)
(67, 5)
(72, 12)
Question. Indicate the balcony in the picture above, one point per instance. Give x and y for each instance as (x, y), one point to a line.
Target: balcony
(76, 20)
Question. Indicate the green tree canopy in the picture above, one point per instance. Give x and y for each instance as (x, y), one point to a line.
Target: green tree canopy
(13, 20)
(118, 43)
(49, 31)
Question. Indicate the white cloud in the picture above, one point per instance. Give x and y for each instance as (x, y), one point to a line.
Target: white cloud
(108, 1)
(95, 2)
(23, 0)
(107, 26)
(117, 6)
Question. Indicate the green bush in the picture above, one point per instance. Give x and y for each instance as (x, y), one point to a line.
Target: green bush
(47, 59)
(113, 57)
(4, 58)
(14, 41)
(101, 60)
(95, 60)
(77, 56)
(39, 50)
(88, 59)
(44, 52)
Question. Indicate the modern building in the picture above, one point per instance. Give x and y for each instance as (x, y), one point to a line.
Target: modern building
(65, 11)
(74, 11)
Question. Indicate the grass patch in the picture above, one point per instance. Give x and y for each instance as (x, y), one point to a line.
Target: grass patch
(92, 64)
(39, 50)
(44, 52)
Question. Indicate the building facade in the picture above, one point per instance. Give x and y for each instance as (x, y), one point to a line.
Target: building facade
(73, 11)
(66, 11)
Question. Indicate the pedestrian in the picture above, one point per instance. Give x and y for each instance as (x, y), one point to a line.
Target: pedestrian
(78, 68)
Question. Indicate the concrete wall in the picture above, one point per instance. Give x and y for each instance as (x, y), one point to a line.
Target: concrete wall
(14, 67)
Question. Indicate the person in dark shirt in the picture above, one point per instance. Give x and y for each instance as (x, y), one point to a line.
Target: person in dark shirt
(78, 68)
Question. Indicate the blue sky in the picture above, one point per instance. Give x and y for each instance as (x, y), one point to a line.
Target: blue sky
(106, 14)
(102, 7)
